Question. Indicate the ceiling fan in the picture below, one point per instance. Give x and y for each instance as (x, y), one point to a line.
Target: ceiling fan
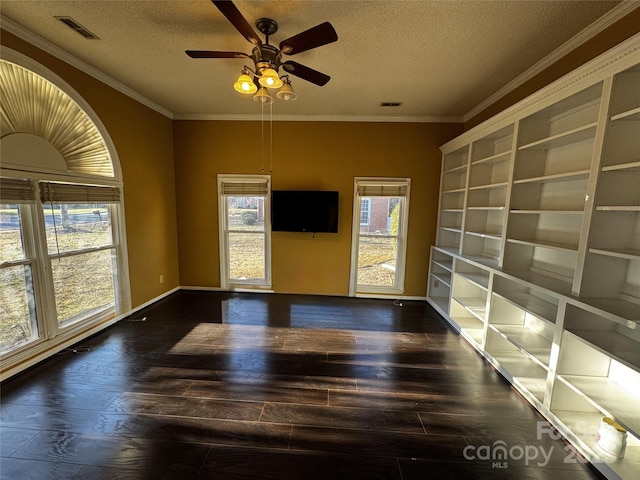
(267, 59)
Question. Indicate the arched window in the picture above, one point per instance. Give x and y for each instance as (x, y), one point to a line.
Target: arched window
(63, 268)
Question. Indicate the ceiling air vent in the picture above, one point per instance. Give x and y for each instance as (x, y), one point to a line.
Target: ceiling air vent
(390, 104)
(73, 25)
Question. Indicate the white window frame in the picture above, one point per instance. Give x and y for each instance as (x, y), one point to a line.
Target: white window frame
(403, 224)
(227, 283)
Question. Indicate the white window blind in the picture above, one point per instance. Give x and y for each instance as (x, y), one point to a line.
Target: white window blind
(244, 188)
(382, 190)
(75, 193)
(14, 190)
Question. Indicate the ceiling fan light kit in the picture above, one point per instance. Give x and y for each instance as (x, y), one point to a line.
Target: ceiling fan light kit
(267, 58)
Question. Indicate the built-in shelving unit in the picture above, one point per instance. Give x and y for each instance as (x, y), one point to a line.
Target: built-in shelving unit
(537, 261)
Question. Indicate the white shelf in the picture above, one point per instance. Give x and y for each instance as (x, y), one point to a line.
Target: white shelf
(541, 280)
(618, 253)
(488, 186)
(613, 344)
(536, 306)
(527, 373)
(457, 169)
(497, 158)
(544, 244)
(610, 397)
(547, 212)
(618, 208)
(556, 177)
(524, 338)
(626, 311)
(633, 114)
(448, 249)
(446, 264)
(488, 235)
(622, 166)
(575, 135)
(443, 277)
(473, 305)
(478, 279)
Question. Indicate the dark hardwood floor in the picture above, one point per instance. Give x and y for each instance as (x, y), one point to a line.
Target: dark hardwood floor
(259, 386)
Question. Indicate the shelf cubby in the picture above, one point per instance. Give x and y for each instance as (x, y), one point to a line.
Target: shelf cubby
(488, 197)
(581, 421)
(546, 266)
(609, 385)
(440, 276)
(546, 228)
(522, 368)
(469, 300)
(614, 254)
(576, 113)
(466, 322)
(625, 95)
(526, 298)
(556, 193)
(529, 333)
(616, 339)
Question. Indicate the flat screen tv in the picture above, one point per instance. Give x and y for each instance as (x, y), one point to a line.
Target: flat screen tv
(314, 211)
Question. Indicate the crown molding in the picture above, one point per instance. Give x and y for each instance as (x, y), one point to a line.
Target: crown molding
(608, 19)
(619, 58)
(321, 118)
(45, 45)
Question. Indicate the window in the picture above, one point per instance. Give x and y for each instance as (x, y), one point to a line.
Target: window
(18, 322)
(63, 261)
(245, 231)
(81, 249)
(379, 236)
(365, 211)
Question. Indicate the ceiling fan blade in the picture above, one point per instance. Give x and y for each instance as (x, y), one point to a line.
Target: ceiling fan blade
(213, 54)
(312, 38)
(306, 73)
(229, 10)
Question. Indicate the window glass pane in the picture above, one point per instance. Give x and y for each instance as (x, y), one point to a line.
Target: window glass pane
(83, 284)
(377, 261)
(365, 206)
(383, 214)
(17, 312)
(245, 214)
(246, 256)
(11, 243)
(72, 226)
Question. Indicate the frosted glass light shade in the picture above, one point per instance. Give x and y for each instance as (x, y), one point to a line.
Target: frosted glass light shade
(245, 84)
(270, 79)
(263, 96)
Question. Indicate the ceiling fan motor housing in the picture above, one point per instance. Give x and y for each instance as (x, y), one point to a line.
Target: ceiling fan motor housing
(266, 56)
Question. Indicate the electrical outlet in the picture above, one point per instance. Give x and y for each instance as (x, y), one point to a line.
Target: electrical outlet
(161, 278)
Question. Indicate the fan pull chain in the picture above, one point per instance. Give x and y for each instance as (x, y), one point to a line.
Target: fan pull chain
(271, 138)
(262, 134)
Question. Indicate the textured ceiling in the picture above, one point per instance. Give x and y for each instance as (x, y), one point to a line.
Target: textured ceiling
(440, 59)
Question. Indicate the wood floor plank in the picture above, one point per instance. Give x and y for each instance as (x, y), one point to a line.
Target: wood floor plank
(342, 417)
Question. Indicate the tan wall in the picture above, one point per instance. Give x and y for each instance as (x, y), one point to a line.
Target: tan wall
(306, 155)
(143, 140)
(623, 29)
